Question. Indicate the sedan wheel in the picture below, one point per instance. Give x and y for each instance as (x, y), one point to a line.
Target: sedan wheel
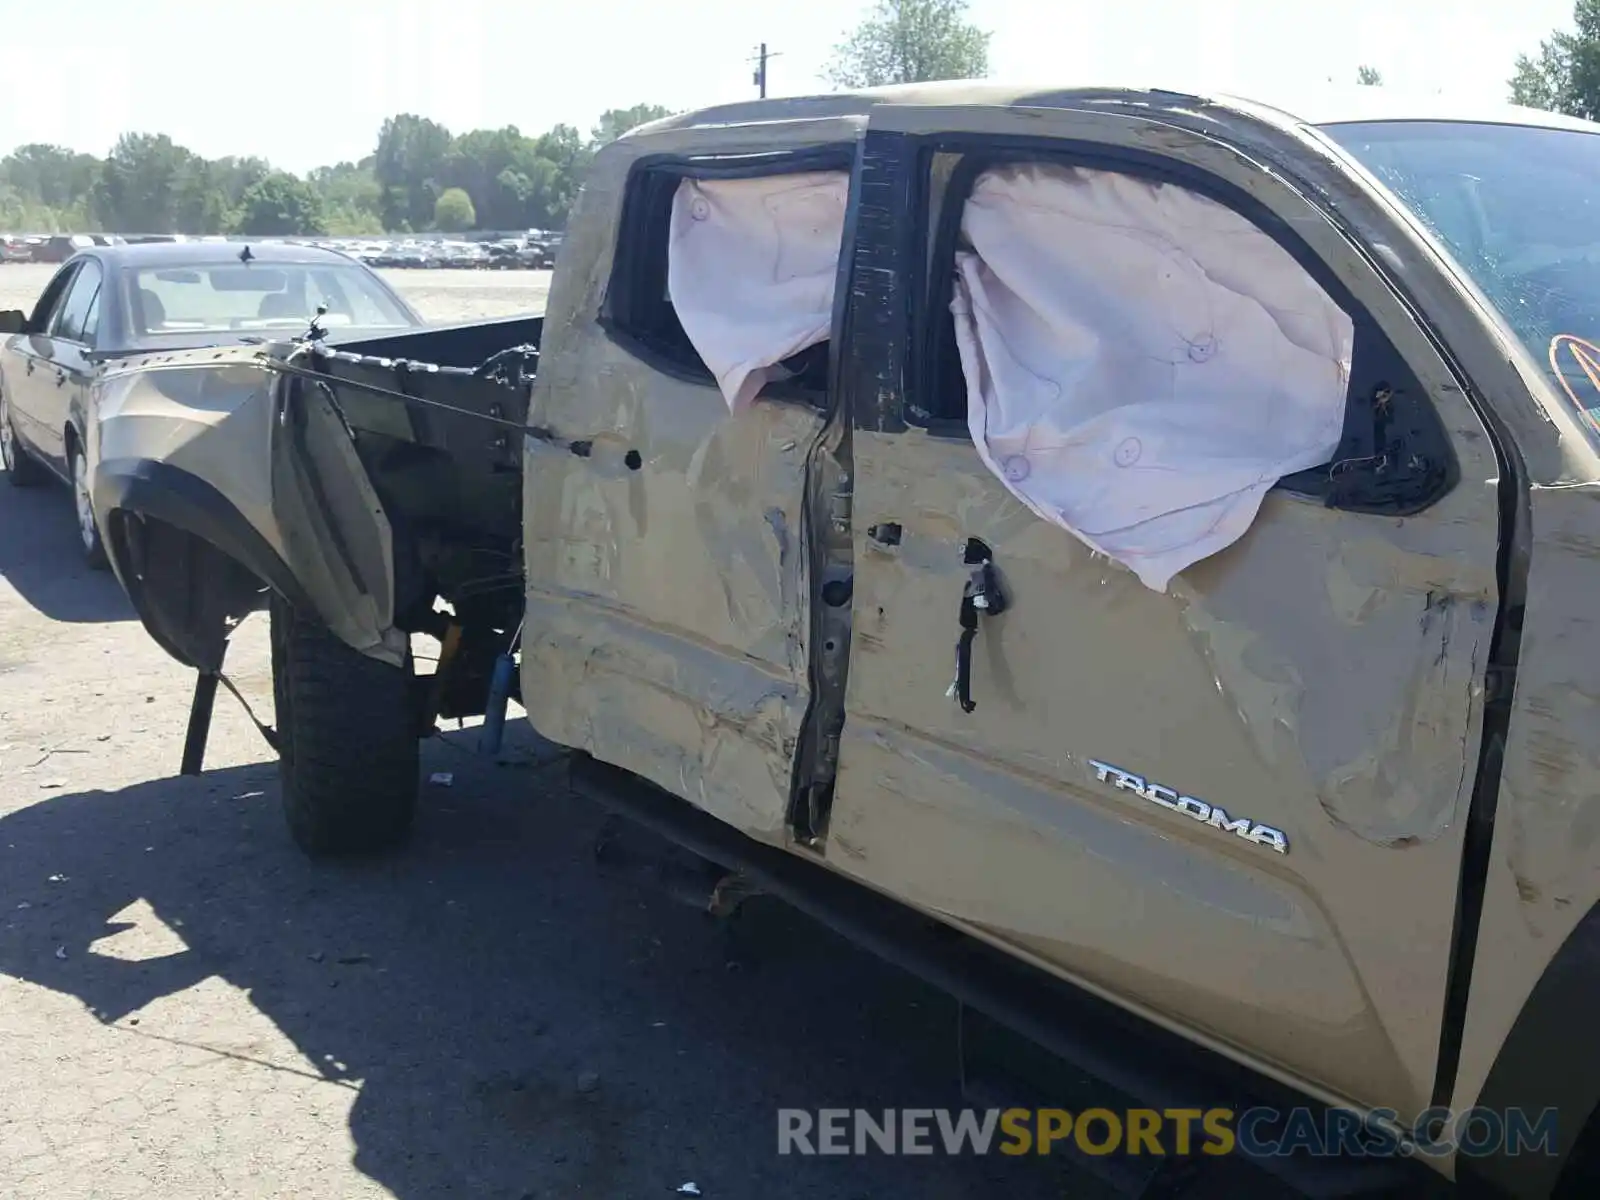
(21, 470)
(94, 552)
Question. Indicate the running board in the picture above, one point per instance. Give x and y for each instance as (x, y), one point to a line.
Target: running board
(1152, 1064)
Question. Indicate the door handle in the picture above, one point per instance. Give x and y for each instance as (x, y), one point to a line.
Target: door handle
(31, 365)
(61, 378)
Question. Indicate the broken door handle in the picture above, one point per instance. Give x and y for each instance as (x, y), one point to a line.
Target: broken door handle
(886, 534)
(61, 378)
(982, 596)
(31, 365)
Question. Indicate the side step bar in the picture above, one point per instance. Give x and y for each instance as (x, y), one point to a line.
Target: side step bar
(1150, 1063)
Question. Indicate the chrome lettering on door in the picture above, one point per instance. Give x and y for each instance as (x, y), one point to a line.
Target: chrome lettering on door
(1189, 806)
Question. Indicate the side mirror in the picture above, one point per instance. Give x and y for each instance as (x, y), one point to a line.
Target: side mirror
(13, 320)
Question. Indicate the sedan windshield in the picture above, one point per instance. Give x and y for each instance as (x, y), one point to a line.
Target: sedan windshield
(1519, 208)
(237, 296)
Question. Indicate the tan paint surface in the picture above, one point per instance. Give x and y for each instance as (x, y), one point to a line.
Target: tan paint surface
(666, 607)
(1544, 874)
(211, 413)
(1322, 676)
(667, 612)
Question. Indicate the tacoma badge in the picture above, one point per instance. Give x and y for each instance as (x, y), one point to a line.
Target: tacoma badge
(1209, 814)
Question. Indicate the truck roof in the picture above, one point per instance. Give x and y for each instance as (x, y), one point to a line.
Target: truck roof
(1310, 104)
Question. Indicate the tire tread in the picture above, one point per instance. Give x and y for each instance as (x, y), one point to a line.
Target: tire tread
(349, 757)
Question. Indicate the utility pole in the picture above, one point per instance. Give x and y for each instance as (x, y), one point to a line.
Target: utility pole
(760, 77)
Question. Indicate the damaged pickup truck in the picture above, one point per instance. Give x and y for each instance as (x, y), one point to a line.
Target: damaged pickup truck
(1153, 536)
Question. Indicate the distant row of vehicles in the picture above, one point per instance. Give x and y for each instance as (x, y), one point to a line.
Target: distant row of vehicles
(53, 248)
(534, 250)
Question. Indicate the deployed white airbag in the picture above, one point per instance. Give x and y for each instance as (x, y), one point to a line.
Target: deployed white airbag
(750, 270)
(1142, 363)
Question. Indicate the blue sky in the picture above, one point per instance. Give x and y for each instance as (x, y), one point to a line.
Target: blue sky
(306, 82)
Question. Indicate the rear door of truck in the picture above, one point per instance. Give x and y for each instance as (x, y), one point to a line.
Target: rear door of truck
(1238, 805)
(667, 616)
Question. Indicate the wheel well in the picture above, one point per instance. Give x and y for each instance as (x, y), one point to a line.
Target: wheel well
(1549, 1060)
(188, 593)
(1581, 1176)
(188, 559)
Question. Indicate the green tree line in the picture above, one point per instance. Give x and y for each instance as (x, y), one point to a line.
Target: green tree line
(1565, 75)
(419, 176)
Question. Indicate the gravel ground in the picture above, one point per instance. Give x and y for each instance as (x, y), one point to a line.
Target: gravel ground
(190, 1009)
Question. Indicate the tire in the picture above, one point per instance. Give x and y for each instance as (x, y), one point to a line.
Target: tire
(348, 730)
(22, 470)
(94, 550)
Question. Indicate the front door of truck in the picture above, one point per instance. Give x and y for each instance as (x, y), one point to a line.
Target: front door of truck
(1113, 805)
(666, 628)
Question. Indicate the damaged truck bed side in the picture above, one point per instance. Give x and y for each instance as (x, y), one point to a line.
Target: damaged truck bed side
(1147, 535)
(365, 491)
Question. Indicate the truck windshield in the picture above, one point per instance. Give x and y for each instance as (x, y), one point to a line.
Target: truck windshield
(1519, 208)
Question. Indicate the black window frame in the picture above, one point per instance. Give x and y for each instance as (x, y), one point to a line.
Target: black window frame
(79, 279)
(91, 316)
(1385, 406)
(631, 310)
(44, 309)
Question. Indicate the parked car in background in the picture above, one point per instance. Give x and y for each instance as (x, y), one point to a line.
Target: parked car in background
(549, 241)
(112, 302)
(503, 255)
(60, 247)
(460, 255)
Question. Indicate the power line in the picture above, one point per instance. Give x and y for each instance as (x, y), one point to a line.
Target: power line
(760, 76)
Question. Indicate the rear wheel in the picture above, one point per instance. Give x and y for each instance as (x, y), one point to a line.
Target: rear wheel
(348, 740)
(21, 470)
(94, 551)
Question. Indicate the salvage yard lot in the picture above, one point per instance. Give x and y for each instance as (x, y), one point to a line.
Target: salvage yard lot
(190, 1009)
(441, 296)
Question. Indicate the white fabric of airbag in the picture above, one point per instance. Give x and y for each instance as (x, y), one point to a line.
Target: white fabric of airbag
(1142, 363)
(751, 265)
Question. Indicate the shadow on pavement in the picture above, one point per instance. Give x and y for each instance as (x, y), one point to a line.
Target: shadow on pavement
(39, 556)
(527, 1021)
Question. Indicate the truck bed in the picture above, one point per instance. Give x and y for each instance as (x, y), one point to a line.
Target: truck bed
(363, 480)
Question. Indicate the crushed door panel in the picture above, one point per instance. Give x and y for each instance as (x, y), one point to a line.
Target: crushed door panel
(1101, 808)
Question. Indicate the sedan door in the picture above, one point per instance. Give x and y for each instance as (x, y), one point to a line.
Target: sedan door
(1236, 806)
(31, 386)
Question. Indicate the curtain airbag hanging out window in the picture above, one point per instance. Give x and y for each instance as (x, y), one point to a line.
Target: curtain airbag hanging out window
(751, 265)
(1142, 363)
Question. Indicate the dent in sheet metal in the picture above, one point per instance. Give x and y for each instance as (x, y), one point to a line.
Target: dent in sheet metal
(1544, 870)
(213, 415)
(1324, 673)
(1302, 674)
(667, 628)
